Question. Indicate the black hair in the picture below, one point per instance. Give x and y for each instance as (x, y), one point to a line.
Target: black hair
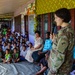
(15, 48)
(37, 32)
(15, 43)
(24, 46)
(8, 50)
(48, 34)
(64, 14)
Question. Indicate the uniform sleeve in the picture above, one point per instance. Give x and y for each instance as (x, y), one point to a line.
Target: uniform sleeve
(62, 44)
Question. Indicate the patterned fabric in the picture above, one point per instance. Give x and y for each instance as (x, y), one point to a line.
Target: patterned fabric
(47, 45)
(60, 59)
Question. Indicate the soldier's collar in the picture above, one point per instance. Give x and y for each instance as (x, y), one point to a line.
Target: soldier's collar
(65, 27)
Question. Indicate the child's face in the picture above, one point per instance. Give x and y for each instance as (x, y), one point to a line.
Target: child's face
(46, 35)
(14, 45)
(12, 42)
(8, 47)
(25, 39)
(23, 44)
(4, 44)
(9, 44)
(14, 39)
(18, 42)
(24, 48)
(30, 45)
(15, 51)
(21, 37)
(51, 36)
(46, 56)
(7, 51)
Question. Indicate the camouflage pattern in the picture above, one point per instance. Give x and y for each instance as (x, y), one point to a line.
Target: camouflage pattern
(60, 60)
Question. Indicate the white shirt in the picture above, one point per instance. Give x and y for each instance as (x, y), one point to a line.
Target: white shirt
(21, 48)
(27, 42)
(23, 53)
(4, 48)
(38, 41)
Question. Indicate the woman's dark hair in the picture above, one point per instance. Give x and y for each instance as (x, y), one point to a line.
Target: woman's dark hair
(37, 32)
(64, 14)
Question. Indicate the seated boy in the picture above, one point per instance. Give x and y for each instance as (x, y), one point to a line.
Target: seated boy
(15, 57)
(23, 53)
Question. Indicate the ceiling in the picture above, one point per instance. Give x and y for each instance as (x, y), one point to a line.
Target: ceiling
(8, 6)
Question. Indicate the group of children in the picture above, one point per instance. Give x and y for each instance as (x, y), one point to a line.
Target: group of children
(13, 48)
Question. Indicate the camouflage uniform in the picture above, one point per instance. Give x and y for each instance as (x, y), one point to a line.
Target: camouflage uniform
(60, 59)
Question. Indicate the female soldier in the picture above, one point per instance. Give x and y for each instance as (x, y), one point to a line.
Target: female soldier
(60, 59)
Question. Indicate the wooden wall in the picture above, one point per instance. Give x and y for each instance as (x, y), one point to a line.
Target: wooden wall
(18, 23)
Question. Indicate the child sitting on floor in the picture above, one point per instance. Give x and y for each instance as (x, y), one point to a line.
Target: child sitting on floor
(23, 53)
(44, 64)
(15, 56)
(7, 58)
(1, 53)
(29, 53)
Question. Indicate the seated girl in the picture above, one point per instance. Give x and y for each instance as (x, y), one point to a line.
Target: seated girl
(7, 58)
(15, 57)
(29, 53)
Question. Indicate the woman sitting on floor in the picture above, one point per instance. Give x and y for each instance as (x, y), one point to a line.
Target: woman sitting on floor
(38, 45)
